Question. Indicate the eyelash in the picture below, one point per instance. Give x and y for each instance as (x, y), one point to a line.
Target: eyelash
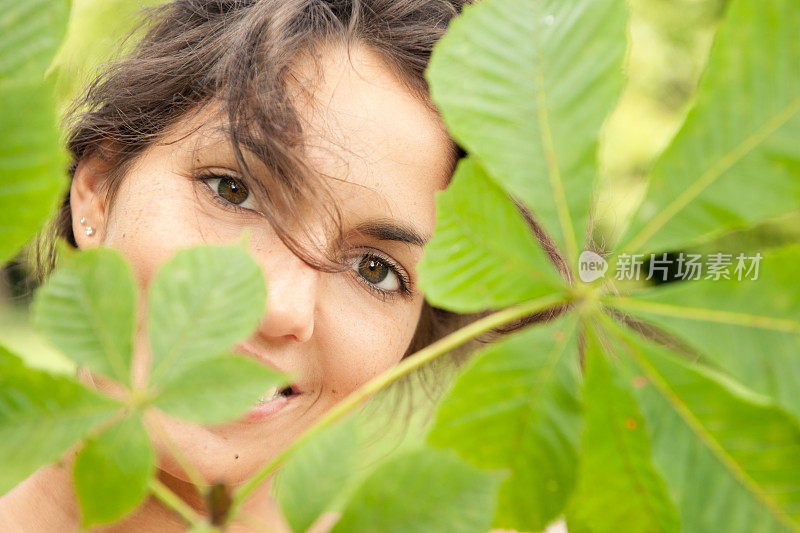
(404, 280)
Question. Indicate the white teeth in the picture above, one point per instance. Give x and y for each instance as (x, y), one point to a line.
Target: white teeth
(270, 395)
(275, 392)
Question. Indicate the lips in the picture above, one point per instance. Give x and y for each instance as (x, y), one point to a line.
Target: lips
(274, 399)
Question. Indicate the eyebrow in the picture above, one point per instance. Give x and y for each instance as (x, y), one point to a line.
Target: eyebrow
(387, 230)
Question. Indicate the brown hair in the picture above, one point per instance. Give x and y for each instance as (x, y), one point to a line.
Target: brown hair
(238, 54)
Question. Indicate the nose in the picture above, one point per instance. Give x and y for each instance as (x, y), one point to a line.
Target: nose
(291, 295)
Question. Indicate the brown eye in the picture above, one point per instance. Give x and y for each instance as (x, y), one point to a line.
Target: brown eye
(232, 191)
(373, 270)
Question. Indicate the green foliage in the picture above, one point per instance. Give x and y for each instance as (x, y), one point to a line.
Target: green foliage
(96, 34)
(40, 417)
(77, 316)
(742, 131)
(750, 330)
(421, 491)
(224, 385)
(517, 406)
(729, 457)
(112, 471)
(201, 302)
(483, 255)
(689, 414)
(524, 86)
(31, 159)
(304, 494)
(615, 458)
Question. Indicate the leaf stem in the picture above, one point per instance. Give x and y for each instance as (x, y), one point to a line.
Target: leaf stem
(407, 365)
(705, 314)
(174, 502)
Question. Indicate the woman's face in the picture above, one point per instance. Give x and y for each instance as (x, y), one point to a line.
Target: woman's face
(331, 331)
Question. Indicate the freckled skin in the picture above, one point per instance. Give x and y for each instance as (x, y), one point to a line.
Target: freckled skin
(364, 126)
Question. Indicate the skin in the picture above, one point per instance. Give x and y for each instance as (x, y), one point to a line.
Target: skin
(390, 152)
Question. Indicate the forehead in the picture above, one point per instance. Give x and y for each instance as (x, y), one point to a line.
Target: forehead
(382, 151)
(363, 126)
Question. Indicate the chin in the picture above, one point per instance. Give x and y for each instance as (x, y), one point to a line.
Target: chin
(229, 453)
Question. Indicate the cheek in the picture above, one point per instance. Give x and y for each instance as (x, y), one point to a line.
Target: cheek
(156, 215)
(366, 340)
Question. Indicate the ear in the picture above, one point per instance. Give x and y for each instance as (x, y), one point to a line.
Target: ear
(88, 203)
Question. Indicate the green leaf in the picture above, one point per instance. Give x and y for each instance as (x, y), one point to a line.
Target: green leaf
(750, 328)
(95, 33)
(87, 309)
(617, 483)
(524, 86)
(483, 254)
(32, 160)
(201, 302)
(216, 389)
(422, 491)
(112, 472)
(730, 458)
(317, 473)
(319, 477)
(742, 131)
(40, 417)
(516, 406)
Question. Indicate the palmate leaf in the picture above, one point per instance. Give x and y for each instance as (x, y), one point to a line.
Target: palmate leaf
(517, 407)
(87, 309)
(112, 471)
(201, 302)
(749, 329)
(730, 458)
(422, 491)
(524, 86)
(32, 161)
(483, 254)
(40, 417)
(216, 389)
(736, 161)
(617, 483)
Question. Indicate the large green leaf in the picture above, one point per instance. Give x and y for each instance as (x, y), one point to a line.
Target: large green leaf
(617, 483)
(730, 458)
(87, 309)
(40, 417)
(736, 160)
(320, 476)
(516, 406)
(748, 328)
(201, 302)
(317, 474)
(483, 254)
(524, 86)
(422, 491)
(32, 161)
(112, 472)
(216, 389)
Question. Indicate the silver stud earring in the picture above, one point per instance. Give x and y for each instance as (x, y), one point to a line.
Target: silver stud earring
(89, 229)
